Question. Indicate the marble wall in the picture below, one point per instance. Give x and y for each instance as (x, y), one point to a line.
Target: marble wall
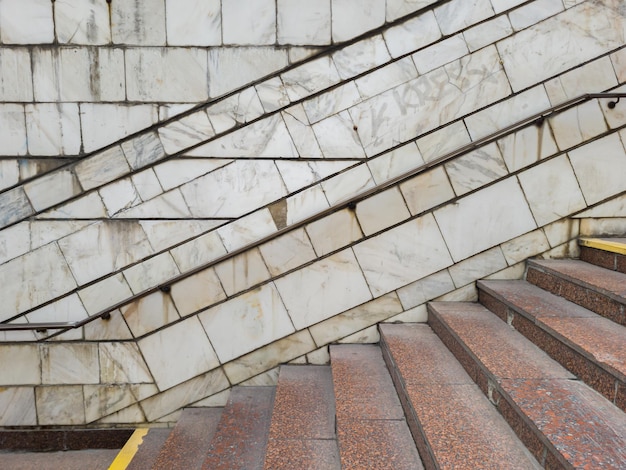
(190, 191)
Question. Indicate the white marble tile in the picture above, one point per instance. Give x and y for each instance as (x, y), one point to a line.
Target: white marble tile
(82, 23)
(104, 123)
(577, 125)
(469, 293)
(381, 211)
(66, 309)
(488, 32)
(15, 206)
(104, 400)
(16, 74)
(425, 289)
(151, 272)
(338, 138)
(70, 364)
(149, 313)
(50, 189)
(272, 94)
(527, 146)
(249, 22)
(287, 252)
(497, 214)
(198, 251)
(427, 190)
(596, 76)
(502, 5)
(356, 319)
(13, 137)
(15, 241)
(130, 415)
(119, 196)
(440, 53)
(301, 132)
(395, 163)
(305, 204)
(334, 231)
(618, 59)
(399, 8)
(247, 229)
(607, 227)
(60, 405)
(310, 78)
(534, 12)
(219, 399)
(615, 207)
(101, 295)
(104, 247)
(147, 184)
(170, 205)
(615, 117)
(18, 405)
(367, 336)
(235, 189)
(600, 167)
(524, 247)
(476, 168)
(170, 110)
(138, 22)
(178, 171)
(387, 77)
(20, 364)
(9, 169)
(402, 255)
(348, 184)
(417, 314)
(514, 272)
(319, 357)
(477, 267)
(193, 22)
(558, 46)
(458, 14)
(178, 353)
(53, 129)
(331, 102)
(185, 132)
(196, 292)
(303, 22)
(323, 289)
(163, 234)
(232, 67)
(350, 18)
(412, 34)
(298, 174)
(89, 206)
(26, 22)
(247, 322)
(238, 109)
(143, 150)
(113, 328)
(101, 168)
(443, 141)
(562, 231)
(361, 57)
(34, 278)
(242, 272)
(183, 76)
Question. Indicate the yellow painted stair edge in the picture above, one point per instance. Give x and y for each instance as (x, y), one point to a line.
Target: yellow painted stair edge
(129, 450)
(604, 244)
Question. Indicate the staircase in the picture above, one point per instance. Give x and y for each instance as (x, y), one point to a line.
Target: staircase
(532, 376)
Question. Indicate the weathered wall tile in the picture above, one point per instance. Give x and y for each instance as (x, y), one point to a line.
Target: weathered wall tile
(193, 22)
(82, 23)
(53, 129)
(196, 292)
(381, 211)
(249, 22)
(20, 364)
(13, 137)
(149, 313)
(60, 405)
(26, 22)
(138, 22)
(242, 272)
(18, 406)
(68, 363)
(427, 190)
(351, 18)
(334, 231)
(303, 22)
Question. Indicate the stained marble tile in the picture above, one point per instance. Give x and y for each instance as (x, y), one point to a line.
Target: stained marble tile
(348, 184)
(16, 206)
(16, 75)
(103, 400)
(70, 364)
(534, 12)
(502, 5)
(149, 313)
(82, 23)
(169, 205)
(13, 135)
(596, 76)
(391, 75)
(114, 328)
(50, 189)
(53, 129)
(193, 23)
(302, 173)
(402, 255)
(367, 336)
(119, 196)
(381, 211)
(351, 18)
(577, 125)
(129, 415)
(163, 234)
(259, 318)
(15, 241)
(138, 22)
(459, 14)
(60, 405)
(143, 150)
(20, 364)
(146, 184)
(524, 247)
(304, 204)
(18, 405)
(561, 231)
(185, 132)
(239, 108)
(249, 22)
(303, 22)
(88, 207)
(197, 292)
(337, 137)
(440, 53)
(105, 293)
(198, 251)
(178, 353)
(417, 314)
(399, 8)
(272, 94)
(121, 362)
(333, 285)
(26, 22)
(427, 190)
(475, 169)
(101, 168)
(395, 163)
(498, 213)
(333, 101)
(9, 169)
(242, 272)
(301, 132)
(618, 59)
(443, 141)
(334, 231)
(310, 78)
(477, 267)
(488, 32)
(151, 272)
(287, 252)
(361, 57)
(412, 34)
(527, 146)
(65, 309)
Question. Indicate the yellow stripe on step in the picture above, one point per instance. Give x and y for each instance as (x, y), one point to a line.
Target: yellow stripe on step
(129, 450)
(605, 244)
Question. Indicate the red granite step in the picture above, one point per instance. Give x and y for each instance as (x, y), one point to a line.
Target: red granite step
(186, 446)
(588, 345)
(609, 253)
(598, 289)
(371, 428)
(240, 441)
(302, 431)
(453, 423)
(148, 450)
(562, 421)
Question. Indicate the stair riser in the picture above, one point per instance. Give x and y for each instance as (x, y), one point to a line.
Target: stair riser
(589, 372)
(605, 259)
(594, 301)
(543, 451)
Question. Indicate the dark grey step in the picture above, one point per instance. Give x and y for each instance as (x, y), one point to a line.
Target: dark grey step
(148, 450)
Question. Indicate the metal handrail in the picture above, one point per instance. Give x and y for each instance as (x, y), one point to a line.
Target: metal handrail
(536, 119)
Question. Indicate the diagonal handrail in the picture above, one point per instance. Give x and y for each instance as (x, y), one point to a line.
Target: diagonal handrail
(537, 119)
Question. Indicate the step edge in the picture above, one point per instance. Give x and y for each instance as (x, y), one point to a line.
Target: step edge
(604, 244)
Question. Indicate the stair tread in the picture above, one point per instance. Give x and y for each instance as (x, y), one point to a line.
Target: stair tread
(241, 436)
(302, 431)
(185, 448)
(584, 427)
(462, 428)
(371, 428)
(148, 450)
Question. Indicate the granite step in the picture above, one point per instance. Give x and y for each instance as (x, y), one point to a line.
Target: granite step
(597, 289)
(454, 425)
(562, 421)
(590, 346)
(185, 448)
(240, 441)
(608, 253)
(148, 450)
(302, 431)
(371, 427)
